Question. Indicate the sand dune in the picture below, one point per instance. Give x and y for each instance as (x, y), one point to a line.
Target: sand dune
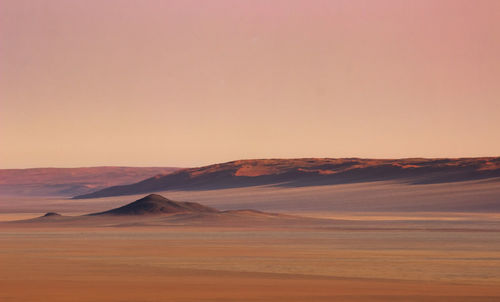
(156, 210)
(155, 204)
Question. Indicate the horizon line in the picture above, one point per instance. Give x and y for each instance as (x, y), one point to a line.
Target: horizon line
(245, 159)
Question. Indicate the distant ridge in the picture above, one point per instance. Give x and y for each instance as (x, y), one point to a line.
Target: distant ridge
(71, 181)
(312, 172)
(155, 204)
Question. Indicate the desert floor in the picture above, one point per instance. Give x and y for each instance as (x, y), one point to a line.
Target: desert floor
(247, 264)
(359, 256)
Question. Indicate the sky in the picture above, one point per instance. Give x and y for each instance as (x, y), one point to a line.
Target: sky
(188, 83)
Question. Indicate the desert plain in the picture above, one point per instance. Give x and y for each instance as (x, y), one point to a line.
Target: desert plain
(375, 241)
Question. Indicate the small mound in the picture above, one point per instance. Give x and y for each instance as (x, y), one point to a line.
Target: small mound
(51, 214)
(155, 204)
(249, 212)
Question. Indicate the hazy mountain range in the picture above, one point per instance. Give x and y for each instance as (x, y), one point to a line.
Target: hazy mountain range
(71, 181)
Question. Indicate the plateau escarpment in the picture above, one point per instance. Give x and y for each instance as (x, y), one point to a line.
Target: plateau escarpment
(311, 172)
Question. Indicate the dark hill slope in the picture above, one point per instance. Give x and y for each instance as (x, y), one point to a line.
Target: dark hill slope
(155, 204)
(311, 172)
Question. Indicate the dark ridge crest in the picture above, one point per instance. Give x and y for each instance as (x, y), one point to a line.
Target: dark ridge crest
(52, 214)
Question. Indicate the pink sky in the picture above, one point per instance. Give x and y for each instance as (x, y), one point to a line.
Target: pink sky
(185, 83)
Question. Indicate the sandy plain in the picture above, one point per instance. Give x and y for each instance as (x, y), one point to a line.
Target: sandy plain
(355, 256)
(247, 264)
